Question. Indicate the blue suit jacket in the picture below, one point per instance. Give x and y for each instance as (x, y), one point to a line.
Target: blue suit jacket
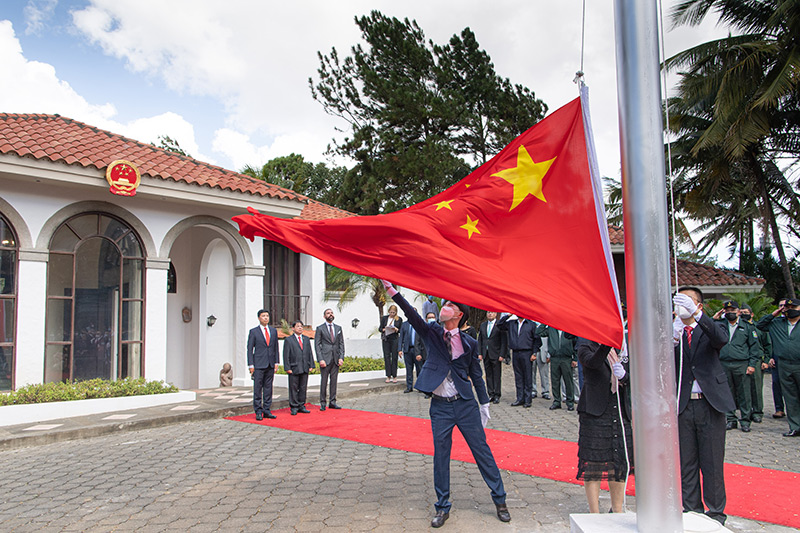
(465, 371)
(259, 355)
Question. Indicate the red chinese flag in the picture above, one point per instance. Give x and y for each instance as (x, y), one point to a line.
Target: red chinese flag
(524, 233)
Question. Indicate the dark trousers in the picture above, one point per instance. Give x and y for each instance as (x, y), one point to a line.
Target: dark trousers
(332, 371)
(262, 389)
(410, 360)
(790, 386)
(465, 415)
(739, 382)
(561, 368)
(494, 371)
(523, 375)
(701, 434)
(777, 395)
(757, 392)
(298, 384)
(390, 347)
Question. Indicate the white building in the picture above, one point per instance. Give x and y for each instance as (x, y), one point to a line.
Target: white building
(97, 284)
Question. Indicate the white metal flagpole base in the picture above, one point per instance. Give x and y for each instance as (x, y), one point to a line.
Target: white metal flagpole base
(626, 523)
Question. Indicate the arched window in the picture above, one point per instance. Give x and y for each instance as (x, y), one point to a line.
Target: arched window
(8, 303)
(95, 300)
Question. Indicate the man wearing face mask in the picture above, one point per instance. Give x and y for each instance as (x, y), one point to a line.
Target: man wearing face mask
(786, 343)
(430, 306)
(703, 399)
(739, 358)
(449, 374)
(777, 396)
(757, 384)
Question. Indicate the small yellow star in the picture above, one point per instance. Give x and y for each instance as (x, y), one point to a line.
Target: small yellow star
(471, 226)
(444, 205)
(526, 177)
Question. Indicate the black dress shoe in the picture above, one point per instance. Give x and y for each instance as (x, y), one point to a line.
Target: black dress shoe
(545, 396)
(293, 412)
(555, 406)
(730, 425)
(745, 429)
(502, 512)
(303, 410)
(407, 391)
(334, 405)
(269, 414)
(534, 395)
(757, 419)
(439, 519)
(322, 407)
(527, 405)
(517, 403)
(793, 433)
(496, 400)
(259, 416)
(570, 408)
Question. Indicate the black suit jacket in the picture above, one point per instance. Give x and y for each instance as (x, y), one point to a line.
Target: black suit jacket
(701, 362)
(259, 355)
(405, 341)
(597, 380)
(495, 345)
(398, 323)
(521, 339)
(297, 359)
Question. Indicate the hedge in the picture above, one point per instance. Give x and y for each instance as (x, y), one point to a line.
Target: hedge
(351, 364)
(84, 390)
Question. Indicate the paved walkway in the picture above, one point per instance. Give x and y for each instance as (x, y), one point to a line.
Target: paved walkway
(212, 474)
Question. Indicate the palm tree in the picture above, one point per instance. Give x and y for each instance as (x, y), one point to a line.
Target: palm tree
(347, 286)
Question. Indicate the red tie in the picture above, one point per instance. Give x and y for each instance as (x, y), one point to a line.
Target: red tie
(688, 330)
(266, 333)
(300, 340)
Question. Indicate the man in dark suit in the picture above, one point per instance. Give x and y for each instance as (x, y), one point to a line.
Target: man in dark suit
(492, 350)
(412, 351)
(449, 373)
(704, 398)
(563, 358)
(524, 344)
(329, 345)
(262, 356)
(298, 361)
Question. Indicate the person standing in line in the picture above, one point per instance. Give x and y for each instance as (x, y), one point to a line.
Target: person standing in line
(329, 346)
(298, 361)
(390, 337)
(410, 353)
(430, 306)
(757, 384)
(262, 356)
(786, 343)
(524, 343)
(449, 374)
(704, 398)
(777, 395)
(492, 350)
(563, 358)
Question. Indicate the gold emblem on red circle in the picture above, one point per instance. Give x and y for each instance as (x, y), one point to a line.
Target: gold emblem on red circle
(123, 177)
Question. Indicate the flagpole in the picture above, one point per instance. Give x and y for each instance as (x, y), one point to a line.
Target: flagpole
(658, 493)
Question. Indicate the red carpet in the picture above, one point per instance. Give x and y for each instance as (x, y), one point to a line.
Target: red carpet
(756, 493)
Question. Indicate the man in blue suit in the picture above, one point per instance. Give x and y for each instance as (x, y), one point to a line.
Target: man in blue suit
(450, 371)
(262, 356)
(524, 344)
(410, 352)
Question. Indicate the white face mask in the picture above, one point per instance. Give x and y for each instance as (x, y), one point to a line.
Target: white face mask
(447, 313)
(682, 312)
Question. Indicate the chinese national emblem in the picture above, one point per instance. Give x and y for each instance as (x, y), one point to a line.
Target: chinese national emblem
(123, 177)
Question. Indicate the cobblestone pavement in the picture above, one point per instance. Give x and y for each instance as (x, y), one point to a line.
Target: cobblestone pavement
(218, 475)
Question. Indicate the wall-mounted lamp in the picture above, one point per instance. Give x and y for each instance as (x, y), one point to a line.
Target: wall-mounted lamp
(211, 320)
(355, 323)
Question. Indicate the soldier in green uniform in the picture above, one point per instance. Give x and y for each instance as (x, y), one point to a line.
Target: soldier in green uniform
(757, 383)
(563, 357)
(786, 345)
(739, 359)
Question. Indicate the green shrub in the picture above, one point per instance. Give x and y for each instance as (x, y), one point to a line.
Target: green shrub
(351, 364)
(84, 390)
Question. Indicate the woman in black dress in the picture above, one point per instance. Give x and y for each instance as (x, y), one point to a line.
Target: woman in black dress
(390, 328)
(603, 406)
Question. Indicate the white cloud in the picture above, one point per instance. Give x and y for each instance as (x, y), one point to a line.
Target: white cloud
(37, 13)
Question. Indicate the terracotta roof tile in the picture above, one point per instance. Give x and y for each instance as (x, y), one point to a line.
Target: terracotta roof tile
(318, 211)
(690, 273)
(57, 138)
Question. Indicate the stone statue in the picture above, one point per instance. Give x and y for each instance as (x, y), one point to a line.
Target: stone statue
(226, 376)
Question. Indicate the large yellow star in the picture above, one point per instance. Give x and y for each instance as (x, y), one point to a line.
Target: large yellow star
(444, 205)
(471, 227)
(526, 177)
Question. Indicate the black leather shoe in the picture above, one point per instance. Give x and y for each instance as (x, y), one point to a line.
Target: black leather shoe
(259, 416)
(517, 403)
(322, 407)
(502, 512)
(439, 519)
(269, 415)
(570, 408)
(333, 405)
(730, 425)
(555, 406)
(745, 429)
(496, 400)
(407, 391)
(527, 405)
(757, 419)
(793, 433)
(303, 410)
(545, 396)
(534, 395)
(294, 412)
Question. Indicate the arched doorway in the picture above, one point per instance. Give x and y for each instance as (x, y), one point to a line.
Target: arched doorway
(95, 300)
(8, 299)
